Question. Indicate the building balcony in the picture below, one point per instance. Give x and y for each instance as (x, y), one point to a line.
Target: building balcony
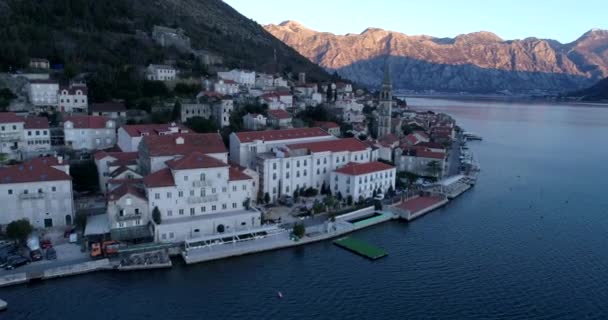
(31, 196)
(13, 136)
(201, 183)
(197, 200)
(127, 217)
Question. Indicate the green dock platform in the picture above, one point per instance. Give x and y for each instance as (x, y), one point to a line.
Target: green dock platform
(361, 248)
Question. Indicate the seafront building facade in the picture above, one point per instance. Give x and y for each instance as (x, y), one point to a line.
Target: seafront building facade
(39, 190)
(199, 195)
(285, 169)
(361, 180)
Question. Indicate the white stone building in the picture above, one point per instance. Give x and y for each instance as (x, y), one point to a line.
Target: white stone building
(331, 127)
(159, 72)
(418, 160)
(226, 87)
(279, 119)
(299, 166)
(128, 213)
(23, 137)
(198, 195)
(209, 105)
(112, 110)
(360, 180)
(241, 77)
(43, 93)
(39, 190)
(89, 132)
(36, 137)
(277, 100)
(115, 168)
(254, 121)
(129, 136)
(73, 98)
(244, 146)
(155, 151)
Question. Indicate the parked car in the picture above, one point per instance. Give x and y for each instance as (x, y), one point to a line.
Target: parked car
(51, 254)
(46, 243)
(16, 261)
(36, 255)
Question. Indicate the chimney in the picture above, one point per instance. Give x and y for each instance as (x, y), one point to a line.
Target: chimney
(179, 140)
(302, 78)
(60, 160)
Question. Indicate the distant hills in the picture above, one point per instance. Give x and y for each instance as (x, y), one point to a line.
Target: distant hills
(96, 36)
(478, 62)
(597, 92)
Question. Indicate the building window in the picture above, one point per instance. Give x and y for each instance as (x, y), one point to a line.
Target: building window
(185, 178)
(192, 193)
(137, 222)
(157, 196)
(121, 212)
(234, 205)
(274, 176)
(244, 187)
(164, 236)
(224, 189)
(192, 211)
(233, 188)
(224, 206)
(180, 194)
(181, 212)
(170, 213)
(168, 195)
(25, 191)
(213, 190)
(213, 208)
(203, 209)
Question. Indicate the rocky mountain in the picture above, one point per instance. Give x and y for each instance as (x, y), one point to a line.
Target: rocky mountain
(91, 35)
(597, 92)
(476, 62)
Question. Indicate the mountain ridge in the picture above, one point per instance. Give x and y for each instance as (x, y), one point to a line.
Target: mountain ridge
(454, 64)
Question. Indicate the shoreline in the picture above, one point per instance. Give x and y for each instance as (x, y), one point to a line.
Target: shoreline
(343, 227)
(497, 98)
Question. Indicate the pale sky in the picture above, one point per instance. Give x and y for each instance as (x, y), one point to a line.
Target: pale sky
(562, 20)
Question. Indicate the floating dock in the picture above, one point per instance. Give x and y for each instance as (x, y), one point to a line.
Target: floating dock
(361, 248)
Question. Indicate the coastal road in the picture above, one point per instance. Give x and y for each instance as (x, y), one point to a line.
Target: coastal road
(454, 158)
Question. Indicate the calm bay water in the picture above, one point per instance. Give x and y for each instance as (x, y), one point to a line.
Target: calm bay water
(529, 241)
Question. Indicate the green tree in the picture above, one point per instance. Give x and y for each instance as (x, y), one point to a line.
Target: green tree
(19, 230)
(318, 207)
(433, 168)
(247, 204)
(85, 176)
(377, 205)
(299, 230)
(176, 114)
(156, 216)
(201, 125)
(80, 221)
(349, 200)
(266, 198)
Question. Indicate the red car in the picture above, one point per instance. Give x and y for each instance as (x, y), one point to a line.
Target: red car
(46, 243)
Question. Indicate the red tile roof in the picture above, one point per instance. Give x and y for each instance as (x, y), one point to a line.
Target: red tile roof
(108, 107)
(32, 171)
(279, 114)
(357, 169)
(431, 145)
(10, 117)
(87, 122)
(36, 123)
(159, 179)
(126, 156)
(338, 145)
(195, 160)
(326, 125)
(236, 174)
(72, 89)
(192, 142)
(388, 140)
(124, 189)
(47, 161)
(423, 153)
(138, 130)
(286, 134)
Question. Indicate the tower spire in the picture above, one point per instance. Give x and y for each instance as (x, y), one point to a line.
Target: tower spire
(387, 73)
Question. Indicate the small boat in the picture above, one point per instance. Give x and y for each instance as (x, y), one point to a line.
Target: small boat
(280, 294)
(3, 305)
